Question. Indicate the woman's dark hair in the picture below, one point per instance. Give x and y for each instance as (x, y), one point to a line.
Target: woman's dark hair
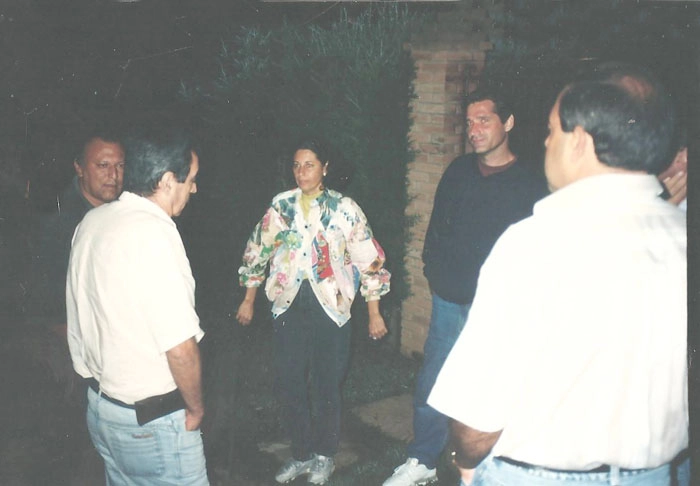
(152, 153)
(338, 172)
(317, 146)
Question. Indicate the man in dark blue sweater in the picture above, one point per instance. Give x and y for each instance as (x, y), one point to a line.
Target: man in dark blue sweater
(479, 196)
(99, 170)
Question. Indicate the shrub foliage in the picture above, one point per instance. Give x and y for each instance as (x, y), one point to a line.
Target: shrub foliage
(350, 83)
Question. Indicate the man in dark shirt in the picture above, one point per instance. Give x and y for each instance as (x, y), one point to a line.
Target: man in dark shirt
(479, 196)
(99, 172)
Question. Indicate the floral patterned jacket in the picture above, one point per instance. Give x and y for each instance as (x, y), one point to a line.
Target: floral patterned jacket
(334, 249)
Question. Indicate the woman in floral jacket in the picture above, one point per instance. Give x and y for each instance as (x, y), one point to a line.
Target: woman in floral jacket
(320, 249)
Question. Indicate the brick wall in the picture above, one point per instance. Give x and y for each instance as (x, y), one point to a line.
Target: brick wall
(449, 56)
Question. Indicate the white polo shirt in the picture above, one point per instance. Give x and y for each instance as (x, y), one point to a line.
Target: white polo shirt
(129, 298)
(575, 345)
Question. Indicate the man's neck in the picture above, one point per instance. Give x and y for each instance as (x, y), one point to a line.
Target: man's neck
(94, 202)
(158, 198)
(497, 158)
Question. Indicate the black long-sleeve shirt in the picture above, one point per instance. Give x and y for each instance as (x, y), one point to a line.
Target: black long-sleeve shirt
(53, 244)
(470, 212)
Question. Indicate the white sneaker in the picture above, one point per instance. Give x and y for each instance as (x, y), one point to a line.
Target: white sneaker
(321, 469)
(412, 473)
(292, 469)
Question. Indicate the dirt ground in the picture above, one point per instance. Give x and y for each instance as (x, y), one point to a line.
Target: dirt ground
(44, 439)
(43, 435)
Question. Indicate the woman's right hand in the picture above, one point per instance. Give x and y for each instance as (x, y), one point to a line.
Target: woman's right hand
(246, 309)
(245, 312)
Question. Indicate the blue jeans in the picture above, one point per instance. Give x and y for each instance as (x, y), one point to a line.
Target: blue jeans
(494, 472)
(311, 359)
(160, 452)
(430, 427)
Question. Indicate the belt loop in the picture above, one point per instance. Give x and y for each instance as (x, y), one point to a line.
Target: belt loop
(614, 476)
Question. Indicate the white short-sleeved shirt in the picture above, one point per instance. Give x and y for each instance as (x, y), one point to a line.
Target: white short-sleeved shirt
(575, 345)
(129, 298)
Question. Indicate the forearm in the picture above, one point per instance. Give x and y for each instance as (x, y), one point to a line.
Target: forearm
(377, 327)
(373, 308)
(471, 446)
(250, 294)
(185, 366)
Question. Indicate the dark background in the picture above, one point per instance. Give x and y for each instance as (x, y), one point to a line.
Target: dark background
(65, 64)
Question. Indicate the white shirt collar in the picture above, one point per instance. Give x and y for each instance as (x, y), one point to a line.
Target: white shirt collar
(606, 191)
(145, 204)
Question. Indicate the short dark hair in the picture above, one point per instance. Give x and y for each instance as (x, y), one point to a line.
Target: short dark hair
(106, 132)
(501, 104)
(152, 153)
(627, 112)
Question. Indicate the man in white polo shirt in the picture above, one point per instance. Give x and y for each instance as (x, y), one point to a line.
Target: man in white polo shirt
(574, 353)
(132, 327)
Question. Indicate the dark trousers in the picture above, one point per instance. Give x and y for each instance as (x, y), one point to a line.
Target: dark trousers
(311, 359)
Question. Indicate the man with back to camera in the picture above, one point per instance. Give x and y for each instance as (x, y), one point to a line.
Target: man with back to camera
(674, 176)
(576, 342)
(479, 196)
(99, 172)
(132, 325)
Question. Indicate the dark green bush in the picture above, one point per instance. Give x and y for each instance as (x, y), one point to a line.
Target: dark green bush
(350, 83)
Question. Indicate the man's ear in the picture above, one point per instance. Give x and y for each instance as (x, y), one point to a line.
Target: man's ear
(167, 181)
(510, 123)
(582, 141)
(78, 168)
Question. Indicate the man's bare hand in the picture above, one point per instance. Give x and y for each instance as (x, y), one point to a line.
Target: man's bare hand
(193, 420)
(677, 187)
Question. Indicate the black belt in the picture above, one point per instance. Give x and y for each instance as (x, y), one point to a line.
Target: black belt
(149, 408)
(524, 465)
(92, 383)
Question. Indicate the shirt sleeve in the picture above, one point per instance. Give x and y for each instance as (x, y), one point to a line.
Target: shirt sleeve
(436, 216)
(50, 262)
(368, 257)
(260, 248)
(480, 379)
(169, 310)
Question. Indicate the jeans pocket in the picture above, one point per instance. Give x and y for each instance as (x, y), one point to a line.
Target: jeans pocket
(138, 452)
(191, 454)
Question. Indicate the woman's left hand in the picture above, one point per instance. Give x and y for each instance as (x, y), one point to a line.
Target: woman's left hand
(377, 328)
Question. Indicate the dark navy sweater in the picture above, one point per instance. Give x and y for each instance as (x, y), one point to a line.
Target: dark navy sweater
(469, 214)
